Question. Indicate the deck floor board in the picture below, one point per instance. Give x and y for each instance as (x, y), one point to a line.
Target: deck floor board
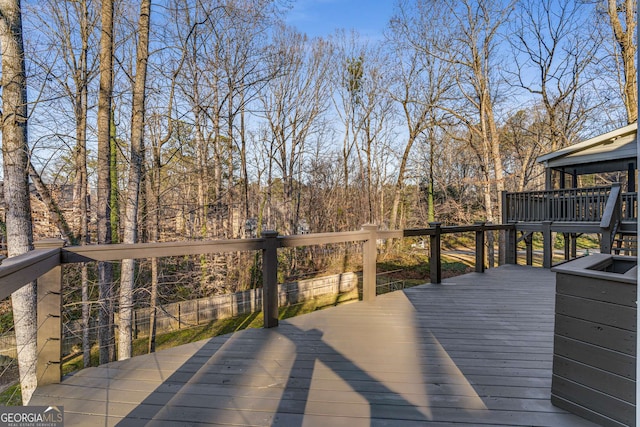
(476, 350)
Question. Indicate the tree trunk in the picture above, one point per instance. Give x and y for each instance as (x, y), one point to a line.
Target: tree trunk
(81, 190)
(626, 42)
(16, 186)
(114, 201)
(431, 209)
(105, 269)
(86, 318)
(397, 196)
(127, 275)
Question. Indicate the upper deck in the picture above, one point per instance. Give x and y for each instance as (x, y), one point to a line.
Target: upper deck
(476, 349)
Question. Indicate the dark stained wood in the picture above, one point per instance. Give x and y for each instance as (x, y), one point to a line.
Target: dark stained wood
(612, 210)
(587, 287)
(604, 313)
(435, 261)
(594, 333)
(594, 356)
(480, 256)
(579, 399)
(596, 379)
(474, 350)
(571, 204)
(270, 279)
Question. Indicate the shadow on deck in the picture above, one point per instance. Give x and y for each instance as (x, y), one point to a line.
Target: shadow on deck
(476, 349)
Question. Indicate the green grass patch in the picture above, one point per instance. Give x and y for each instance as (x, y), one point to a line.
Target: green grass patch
(455, 267)
(12, 396)
(217, 327)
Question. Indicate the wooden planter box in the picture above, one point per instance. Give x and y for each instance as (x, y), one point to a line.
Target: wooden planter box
(594, 354)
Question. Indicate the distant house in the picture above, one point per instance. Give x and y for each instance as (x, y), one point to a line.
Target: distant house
(44, 226)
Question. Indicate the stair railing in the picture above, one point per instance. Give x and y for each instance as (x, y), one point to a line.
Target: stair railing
(611, 218)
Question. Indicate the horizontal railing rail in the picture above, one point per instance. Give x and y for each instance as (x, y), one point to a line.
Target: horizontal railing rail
(121, 251)
(15, 272)
(44, 265)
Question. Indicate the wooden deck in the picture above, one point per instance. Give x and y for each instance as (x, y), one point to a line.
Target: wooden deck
(475, 350)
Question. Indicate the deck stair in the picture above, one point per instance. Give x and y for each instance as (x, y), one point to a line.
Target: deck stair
(625, 243)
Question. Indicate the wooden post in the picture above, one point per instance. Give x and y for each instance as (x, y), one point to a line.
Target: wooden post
(135, 324)
(511, 246)
(270, 278)
(610, 219)
(369, 259)
(503, 235)
(480, 246)
(567, 246)
(547, 255)
(505, 208)
(435, 262)
(574, 248)
(528, 241)
(49, 313)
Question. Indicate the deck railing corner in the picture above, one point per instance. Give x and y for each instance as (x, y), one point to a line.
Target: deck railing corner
(49, 316)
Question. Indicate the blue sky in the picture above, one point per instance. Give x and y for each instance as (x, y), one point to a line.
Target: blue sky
(323, 17)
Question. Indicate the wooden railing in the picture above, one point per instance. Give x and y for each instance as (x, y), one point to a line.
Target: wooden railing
(596, 210)
(629, 206)
(573, 204)
(44, 264)
(611, 218)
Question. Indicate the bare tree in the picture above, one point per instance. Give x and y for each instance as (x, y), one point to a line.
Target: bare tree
(16, 186)
(421, 82)
(525, 137)
(348, 83)
(294, 102)
(105, 269)
(552, 53)
(361, 101)
(623, 20)
(125, 335)
(69, 30)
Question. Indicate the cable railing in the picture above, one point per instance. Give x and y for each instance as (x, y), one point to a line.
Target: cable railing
(44, 265)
